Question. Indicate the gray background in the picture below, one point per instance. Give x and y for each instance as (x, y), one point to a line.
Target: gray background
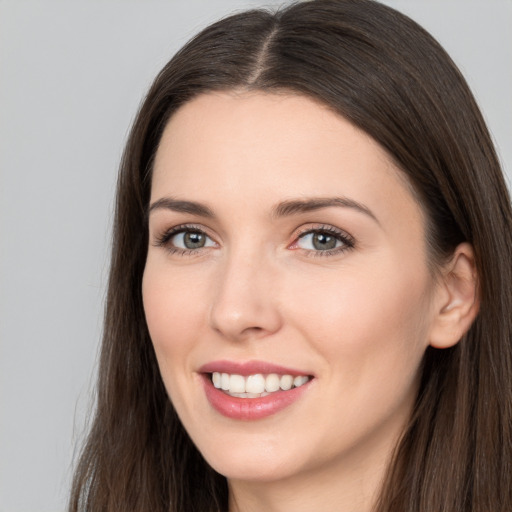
(71, 77)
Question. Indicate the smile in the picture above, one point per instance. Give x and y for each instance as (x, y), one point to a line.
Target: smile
(256, 386)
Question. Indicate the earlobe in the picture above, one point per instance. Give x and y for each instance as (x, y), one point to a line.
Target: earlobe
(457, 299)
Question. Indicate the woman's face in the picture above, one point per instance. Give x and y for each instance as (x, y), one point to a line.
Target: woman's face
(285, 247)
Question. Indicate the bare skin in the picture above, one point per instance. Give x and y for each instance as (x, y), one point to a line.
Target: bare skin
(300, 245)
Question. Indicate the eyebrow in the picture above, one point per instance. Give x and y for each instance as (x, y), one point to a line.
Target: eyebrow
(295, 206)
(177, 205)
(283, 209)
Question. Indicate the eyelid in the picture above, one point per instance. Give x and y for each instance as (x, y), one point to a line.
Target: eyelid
(347, 240)
(163, 238)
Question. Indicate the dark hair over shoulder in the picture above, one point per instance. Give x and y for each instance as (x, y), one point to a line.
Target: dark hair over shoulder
(389, 77)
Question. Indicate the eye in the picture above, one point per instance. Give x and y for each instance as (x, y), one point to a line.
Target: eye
(184, 239)
(191, 240)
(323, 241)
(318, 241)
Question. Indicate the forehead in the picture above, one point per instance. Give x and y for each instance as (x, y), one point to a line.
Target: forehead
(255, 148)
(249, 120)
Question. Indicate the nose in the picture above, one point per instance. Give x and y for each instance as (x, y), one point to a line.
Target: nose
(245, 303)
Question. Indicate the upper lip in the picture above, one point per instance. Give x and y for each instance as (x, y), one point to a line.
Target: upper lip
(246, 368)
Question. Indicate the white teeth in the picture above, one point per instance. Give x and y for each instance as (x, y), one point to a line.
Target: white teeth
(298, 381)
(236, 384)
(248, 395)
(257, 385)
(286, 382)
(253, 395)
(272, 382)
(216, 379)
(224, 382)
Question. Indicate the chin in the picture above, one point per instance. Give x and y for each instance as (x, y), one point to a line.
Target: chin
(243, 470)
(258, 462)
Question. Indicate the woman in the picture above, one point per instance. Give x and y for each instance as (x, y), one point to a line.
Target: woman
(309, 296)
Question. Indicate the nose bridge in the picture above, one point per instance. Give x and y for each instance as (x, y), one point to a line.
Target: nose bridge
(245, 302)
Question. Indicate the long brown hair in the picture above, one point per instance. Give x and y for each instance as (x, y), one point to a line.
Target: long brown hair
(390, 78)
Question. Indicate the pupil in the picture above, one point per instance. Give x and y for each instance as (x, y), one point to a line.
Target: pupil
(194, 240)
(323, 242)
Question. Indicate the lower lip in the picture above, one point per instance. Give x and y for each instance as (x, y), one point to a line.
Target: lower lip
(250, 409)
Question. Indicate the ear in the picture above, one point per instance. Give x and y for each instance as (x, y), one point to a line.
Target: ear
(457, 301)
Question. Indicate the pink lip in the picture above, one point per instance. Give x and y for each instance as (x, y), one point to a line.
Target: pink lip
(248, 368)
(249, 409)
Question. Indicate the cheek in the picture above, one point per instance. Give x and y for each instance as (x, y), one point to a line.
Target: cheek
(376, 317)
(173, 307)
(370, 330)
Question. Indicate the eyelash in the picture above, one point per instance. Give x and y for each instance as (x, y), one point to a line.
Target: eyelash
(346, 240)
(164, 239)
